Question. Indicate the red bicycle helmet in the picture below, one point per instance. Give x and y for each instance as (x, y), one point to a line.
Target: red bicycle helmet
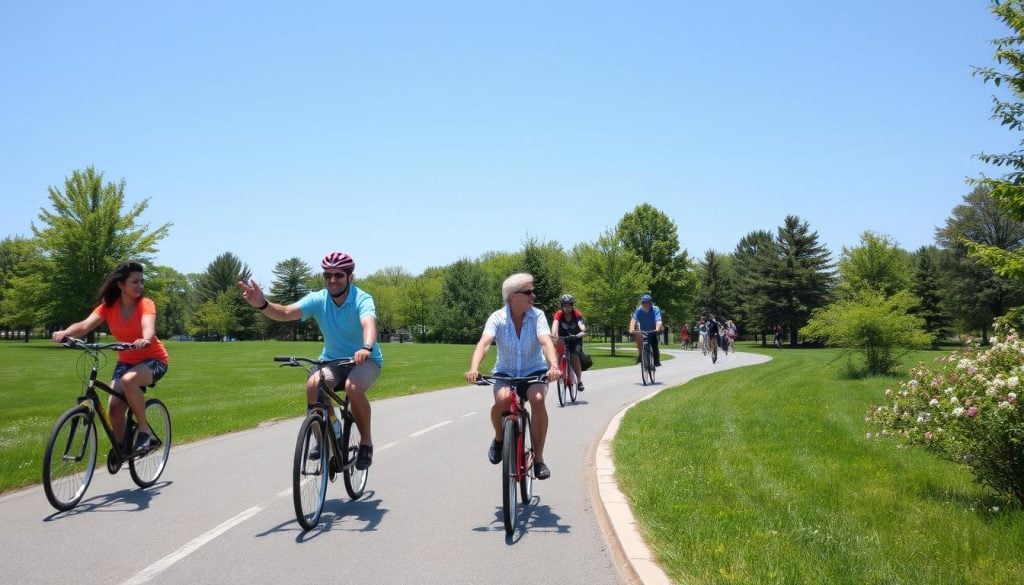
(339, 261)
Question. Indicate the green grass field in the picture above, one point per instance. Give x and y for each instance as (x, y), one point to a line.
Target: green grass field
(764, 475)
(210, 389)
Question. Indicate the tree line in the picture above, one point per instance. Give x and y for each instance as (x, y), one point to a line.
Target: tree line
(781, 277)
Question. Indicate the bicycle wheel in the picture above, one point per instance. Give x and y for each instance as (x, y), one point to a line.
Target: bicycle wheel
(645, 366)
(561, 392)
(509, 464)
(573, 384)
(526, 479)
(146, 469)
(355, 479)
(70, 458)
(309, 473)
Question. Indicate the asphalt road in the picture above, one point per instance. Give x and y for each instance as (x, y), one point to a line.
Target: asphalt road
(222, 511)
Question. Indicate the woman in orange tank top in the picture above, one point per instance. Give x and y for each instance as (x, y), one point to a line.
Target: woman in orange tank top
(131, 318)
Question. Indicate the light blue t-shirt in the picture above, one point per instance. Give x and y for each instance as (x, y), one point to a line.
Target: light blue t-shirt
(341, 326)
(647, 321)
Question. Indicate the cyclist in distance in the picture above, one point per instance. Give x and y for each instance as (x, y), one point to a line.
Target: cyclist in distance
(568, 323)
(131, 318)
(520, 332)
(713, 330)
(646, 317)
(347, 318)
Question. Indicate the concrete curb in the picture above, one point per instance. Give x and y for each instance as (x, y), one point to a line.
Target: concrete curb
(615, 507)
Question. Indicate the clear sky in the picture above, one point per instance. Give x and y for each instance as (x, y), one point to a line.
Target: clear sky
(418, 133)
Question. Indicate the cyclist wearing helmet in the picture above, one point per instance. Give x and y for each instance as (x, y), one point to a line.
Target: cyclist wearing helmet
(568, 323)
(347, 318)
(646, 317)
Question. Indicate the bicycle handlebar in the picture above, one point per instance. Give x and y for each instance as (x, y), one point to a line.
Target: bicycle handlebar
(75, 343)
(297, 361)
(485, 380)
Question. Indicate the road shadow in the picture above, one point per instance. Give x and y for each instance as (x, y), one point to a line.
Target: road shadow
(362, 515)
(579, 402)
(533, 517)
(125, 500)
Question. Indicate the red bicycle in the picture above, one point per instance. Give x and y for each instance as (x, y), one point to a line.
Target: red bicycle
(568, 381)
(517, 448)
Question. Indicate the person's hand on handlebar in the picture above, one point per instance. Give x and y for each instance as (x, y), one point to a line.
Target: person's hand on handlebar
(472, 376)
(554, 373)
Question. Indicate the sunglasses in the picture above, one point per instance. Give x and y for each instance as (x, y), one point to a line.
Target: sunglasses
(335, 275)
(526, 293)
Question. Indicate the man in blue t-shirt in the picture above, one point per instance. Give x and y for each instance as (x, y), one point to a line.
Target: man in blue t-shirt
(347, 319)
(647, 318)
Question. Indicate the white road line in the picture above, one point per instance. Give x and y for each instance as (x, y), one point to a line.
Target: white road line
(430, 428)
(467, 414)
(385, 446)
(164, 563)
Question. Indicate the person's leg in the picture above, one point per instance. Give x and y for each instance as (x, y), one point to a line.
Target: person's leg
(131, 383)
(359, 381)
(653, 340)
(502, 398)
(539, 424)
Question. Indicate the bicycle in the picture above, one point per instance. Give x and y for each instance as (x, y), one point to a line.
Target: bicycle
(568, 381)
(309, 474)
(517, 454)
(646, 358)
(714, 342)
(69, 459)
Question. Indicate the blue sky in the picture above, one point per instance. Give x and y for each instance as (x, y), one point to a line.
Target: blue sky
(418, 133)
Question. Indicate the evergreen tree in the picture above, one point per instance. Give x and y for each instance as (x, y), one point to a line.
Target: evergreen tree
(805, 276)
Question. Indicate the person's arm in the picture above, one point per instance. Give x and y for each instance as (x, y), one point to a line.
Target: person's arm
(549, 353)
(554, 328)
(369, 323)
(79, 329)
(478, 356)
(580, 324)
(632, 326)
(253, 295)
(148, 331)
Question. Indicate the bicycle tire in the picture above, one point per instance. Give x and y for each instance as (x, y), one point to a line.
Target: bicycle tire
(526, 479)
(146, 469)
(561, 392)
(355, 479)
(309, 476)
(509, 464)
(70, 458)
(573, 386)
(644, 367)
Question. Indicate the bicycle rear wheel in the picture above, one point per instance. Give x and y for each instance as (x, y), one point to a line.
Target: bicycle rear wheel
(561, 391)
(526, 479)
(147, 468)
(70, 458)
(509, 462)
(309, 473)
(355, 479)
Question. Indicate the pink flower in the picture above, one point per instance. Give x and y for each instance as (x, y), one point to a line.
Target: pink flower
(928, 436)
(972, 412)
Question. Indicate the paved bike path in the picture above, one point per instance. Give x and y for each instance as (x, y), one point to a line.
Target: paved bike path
(432, 512)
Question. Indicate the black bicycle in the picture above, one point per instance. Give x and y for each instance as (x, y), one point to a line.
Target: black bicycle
(321, 452)
(646, 358)
(517, 455)
(70, 457)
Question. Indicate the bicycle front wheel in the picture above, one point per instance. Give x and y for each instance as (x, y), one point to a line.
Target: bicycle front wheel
(573, 384)
(509, 465)
(70, 458)
(309, 473)
(644, 369)
(561, 392)
(355, 479)
(146, 468)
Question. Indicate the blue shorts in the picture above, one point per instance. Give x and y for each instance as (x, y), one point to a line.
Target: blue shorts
(156, 366)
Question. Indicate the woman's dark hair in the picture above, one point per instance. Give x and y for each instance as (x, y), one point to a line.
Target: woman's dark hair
(109, 292)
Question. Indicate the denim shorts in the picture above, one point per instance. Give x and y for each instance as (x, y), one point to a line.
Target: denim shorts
(156, 366)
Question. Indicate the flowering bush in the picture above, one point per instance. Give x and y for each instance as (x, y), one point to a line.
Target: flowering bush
(965, 409)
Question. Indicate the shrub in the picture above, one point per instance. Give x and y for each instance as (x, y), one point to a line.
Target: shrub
(965, 409)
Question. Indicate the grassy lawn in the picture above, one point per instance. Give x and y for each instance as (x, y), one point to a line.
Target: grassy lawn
(210, 389)
(764, 475)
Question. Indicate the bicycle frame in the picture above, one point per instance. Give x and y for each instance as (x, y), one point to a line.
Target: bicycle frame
(565, 360)
(324, 406)
(91, 399)
(518, 412)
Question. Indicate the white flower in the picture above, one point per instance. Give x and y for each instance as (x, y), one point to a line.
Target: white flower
(933, 402)
(1012, 382)
(1004, 404)
(958, 411)
(954, 400)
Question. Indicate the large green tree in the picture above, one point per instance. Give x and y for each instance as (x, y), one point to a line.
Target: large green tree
(929, 287)
(546, 262)
(654, 238)
(84, 235)
(716, 285)
(466, 302)
(877, 264)
(610, 275)
(172, 294)
(291, 282)
(23, 300)
(756, 262)
(805, 275)
(974, 292)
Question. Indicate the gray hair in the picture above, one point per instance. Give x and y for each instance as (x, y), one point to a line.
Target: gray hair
(514, 283)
